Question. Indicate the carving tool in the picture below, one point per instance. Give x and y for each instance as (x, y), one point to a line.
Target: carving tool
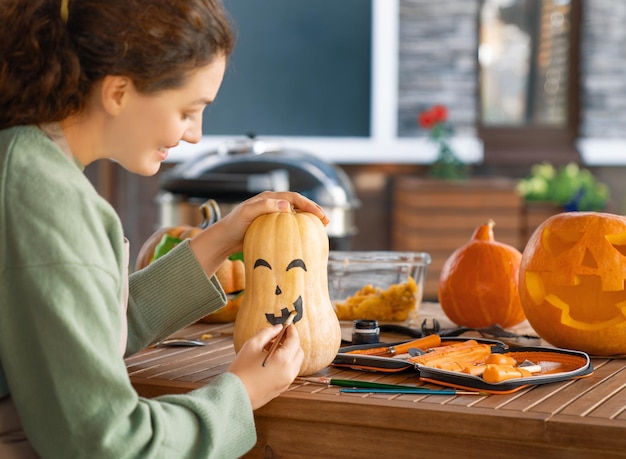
(185, 342)
(279, 338)
(389, 351)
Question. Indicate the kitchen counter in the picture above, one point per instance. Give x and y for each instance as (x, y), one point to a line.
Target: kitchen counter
(575, 419)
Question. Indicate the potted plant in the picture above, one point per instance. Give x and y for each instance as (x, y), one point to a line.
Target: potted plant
(549, 190)
(447, 165)
(569, 188)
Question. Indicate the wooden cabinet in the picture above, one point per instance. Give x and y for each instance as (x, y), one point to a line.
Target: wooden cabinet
(438, 216)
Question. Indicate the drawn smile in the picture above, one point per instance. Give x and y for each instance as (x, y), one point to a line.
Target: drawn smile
(284, 313)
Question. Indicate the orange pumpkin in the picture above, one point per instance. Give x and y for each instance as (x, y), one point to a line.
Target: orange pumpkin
(478, 284)
(572, 282)
(286, 263)
(231, 276)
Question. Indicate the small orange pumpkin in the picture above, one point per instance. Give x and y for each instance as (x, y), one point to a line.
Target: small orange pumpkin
(572, 281)
(286, 263)
(478, 284)
(231, 275)
(232, 278)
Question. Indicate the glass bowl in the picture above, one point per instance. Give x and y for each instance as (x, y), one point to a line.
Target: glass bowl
(386, 286)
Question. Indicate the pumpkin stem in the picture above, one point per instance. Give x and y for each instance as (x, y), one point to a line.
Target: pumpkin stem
(484, 232)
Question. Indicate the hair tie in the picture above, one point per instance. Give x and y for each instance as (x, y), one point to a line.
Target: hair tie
(64, 10)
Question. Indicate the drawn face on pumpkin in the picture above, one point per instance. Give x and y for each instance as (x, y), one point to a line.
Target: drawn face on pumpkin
(579, 267)
(295, 269)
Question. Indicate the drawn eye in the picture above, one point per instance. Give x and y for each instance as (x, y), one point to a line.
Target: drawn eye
(297, 263)
(261, 262)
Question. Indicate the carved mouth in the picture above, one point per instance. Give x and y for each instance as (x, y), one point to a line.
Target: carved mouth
(568, 319)
(586, 290)
(284, 313)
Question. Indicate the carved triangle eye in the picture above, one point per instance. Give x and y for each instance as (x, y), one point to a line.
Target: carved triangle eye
(589, 261)
(556, 244)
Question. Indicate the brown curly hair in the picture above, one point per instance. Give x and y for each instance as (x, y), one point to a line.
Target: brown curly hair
(48, 67)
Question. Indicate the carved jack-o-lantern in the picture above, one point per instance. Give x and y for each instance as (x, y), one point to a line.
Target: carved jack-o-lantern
(286, 265)
(572, 282)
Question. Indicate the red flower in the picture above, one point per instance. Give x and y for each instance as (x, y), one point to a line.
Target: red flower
(440, 113)
(434, 115)
(426, 120)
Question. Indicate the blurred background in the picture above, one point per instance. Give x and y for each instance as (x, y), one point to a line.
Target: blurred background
(524, 83)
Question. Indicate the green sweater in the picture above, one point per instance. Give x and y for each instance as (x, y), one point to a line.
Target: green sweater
(61, 284)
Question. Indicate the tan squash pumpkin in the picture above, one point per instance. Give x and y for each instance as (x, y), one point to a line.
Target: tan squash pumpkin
(286, 263)
(572, 281)
(478, 284)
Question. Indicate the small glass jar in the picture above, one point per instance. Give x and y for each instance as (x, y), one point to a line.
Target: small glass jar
(365, 332)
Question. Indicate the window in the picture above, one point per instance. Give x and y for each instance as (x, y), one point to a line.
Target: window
(298, 69)
(528, 80)
(344, 107)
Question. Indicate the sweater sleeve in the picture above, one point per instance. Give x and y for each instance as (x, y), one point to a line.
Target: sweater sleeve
(167, 295)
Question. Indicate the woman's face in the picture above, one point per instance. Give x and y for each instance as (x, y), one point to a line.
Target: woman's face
(140, 137)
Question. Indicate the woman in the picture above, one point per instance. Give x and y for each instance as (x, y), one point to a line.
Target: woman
(80, 81)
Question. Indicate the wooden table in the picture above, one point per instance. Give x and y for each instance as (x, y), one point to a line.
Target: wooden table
(585, 418)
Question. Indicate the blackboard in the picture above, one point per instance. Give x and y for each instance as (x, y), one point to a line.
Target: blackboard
(300, 68)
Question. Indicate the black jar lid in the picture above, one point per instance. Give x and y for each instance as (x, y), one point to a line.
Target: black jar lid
(365, 325)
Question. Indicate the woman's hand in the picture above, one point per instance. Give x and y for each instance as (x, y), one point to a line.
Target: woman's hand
(243, 215)
(225, 237)
(263, 383)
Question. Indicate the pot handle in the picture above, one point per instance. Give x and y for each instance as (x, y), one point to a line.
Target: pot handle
(210, 213)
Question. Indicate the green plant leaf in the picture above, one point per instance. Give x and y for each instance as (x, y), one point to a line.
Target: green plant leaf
(166, 244)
